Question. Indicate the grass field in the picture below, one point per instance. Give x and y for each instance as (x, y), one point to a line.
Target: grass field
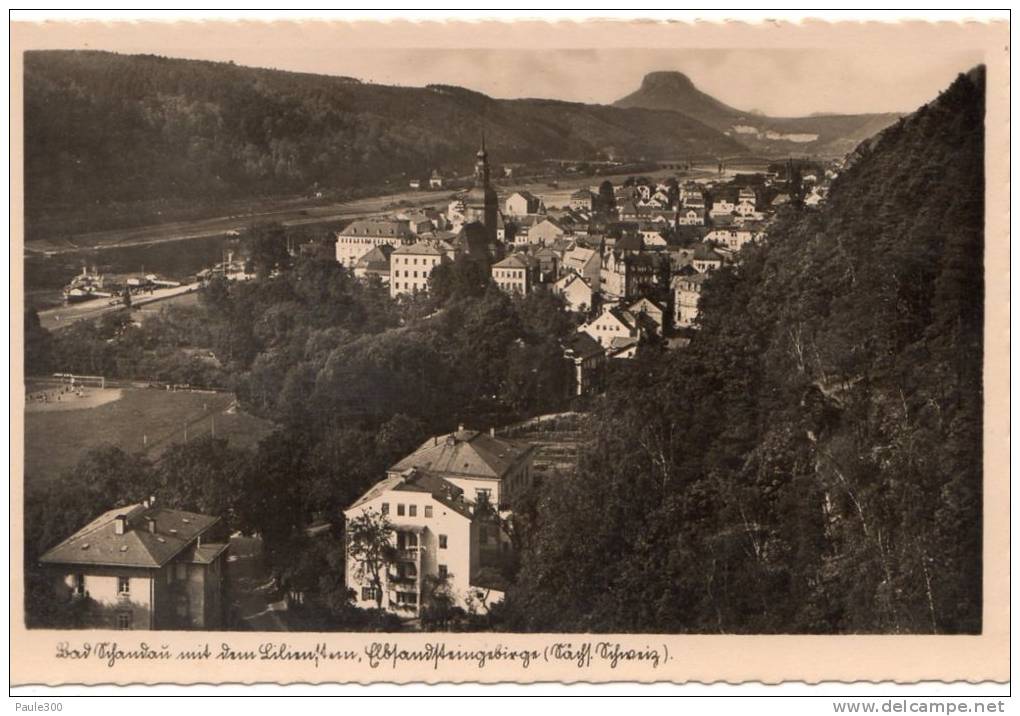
(140, 420)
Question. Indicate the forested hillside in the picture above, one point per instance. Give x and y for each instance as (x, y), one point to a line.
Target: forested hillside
(812, 463)
(102, 127)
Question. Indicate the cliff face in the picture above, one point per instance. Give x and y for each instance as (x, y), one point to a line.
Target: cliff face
(812, 462)
(827, 135)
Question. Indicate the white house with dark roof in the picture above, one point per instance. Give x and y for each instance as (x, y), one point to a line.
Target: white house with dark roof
(359, 237)
(436, 533)
(523, 202)
(145, 567)
(412, 266)
(610, 325)
(576, 291)
(515, 274)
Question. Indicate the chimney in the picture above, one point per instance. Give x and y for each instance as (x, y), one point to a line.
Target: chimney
(150, 524)
(460, 427)
(492, 431)
(119, 524)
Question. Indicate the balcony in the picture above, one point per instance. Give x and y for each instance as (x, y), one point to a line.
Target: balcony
(409, 554)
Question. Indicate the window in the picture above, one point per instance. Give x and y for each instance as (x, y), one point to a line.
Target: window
(170, 575)
(79, 584)
(442, 541)
(123, 585)
(443, 572)
(386, 505)
(428, 511)
(123, 620)
(182, 570)
(400, 510)
(412, 510)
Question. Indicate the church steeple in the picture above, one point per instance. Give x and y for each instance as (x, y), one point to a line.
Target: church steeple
(482, 166)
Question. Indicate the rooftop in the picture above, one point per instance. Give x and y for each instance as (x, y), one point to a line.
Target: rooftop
(98, 543)
(390, 228)
(465, 453)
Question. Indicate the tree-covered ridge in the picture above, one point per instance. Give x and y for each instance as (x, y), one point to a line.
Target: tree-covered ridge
(102, 127)
(812, 462)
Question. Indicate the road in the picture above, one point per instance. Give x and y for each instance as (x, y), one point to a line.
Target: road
(63, 316)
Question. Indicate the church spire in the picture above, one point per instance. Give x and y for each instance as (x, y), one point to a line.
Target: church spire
(482, 165)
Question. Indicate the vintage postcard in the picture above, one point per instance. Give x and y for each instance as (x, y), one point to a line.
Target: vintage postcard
(354, 352)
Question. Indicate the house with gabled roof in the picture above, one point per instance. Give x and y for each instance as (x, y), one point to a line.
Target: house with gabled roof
(437, 535)
(523, 202)
(143, 566)
(411, 266)
(359, 237)
(516, 274)
(375, 263)
(576, 291)
(483, 465)
(613, 323)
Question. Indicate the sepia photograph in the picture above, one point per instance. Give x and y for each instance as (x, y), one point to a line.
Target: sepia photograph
(334, 334)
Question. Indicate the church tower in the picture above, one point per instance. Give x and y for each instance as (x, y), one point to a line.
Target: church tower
(481, 204)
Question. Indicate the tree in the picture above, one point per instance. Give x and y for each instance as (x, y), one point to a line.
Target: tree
(369, 545)
(38, 345)
(266, 245)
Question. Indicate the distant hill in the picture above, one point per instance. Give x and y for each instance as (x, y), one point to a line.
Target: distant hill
(103, 127)
(825, 134)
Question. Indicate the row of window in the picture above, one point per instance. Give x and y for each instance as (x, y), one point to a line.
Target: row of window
(411, 510)
(409, 286)
(413, 261)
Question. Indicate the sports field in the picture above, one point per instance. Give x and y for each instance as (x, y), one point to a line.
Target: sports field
(59, 432)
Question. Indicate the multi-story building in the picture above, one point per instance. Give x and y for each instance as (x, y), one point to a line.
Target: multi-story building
(624, 275)
(360, 237)
(438, 536)
(145, 567)
(583, 200)
(686, 295)
(411, 266)
(522, 203)
(515, 274)
(576, 292)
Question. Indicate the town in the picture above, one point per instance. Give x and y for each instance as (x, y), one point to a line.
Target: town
(433, 534)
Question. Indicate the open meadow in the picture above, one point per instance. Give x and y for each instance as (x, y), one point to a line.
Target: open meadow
(135, 419)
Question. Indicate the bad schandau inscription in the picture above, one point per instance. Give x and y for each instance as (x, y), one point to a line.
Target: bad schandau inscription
(376, 655)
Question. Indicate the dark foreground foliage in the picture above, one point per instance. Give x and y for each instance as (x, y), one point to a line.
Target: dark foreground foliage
(812, 463)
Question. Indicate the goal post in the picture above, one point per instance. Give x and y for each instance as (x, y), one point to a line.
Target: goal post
(87, 381)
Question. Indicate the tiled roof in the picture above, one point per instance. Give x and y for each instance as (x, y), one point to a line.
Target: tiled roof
(517, 261)
(98, 543)
(388, 228)
(421, 481)
(427, 248)
(378, 259)
(465, 453)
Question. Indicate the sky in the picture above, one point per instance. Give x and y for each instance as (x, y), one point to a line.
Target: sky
(859, 69)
